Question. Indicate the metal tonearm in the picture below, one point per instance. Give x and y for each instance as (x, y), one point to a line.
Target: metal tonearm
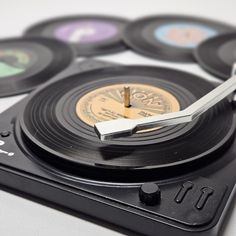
(126, 127)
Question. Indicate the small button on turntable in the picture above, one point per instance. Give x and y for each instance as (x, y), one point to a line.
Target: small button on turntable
(205, 194)
(150, 194)
(185, 188)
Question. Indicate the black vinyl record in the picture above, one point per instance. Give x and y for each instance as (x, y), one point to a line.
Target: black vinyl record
(171, 37)
(55, 123)
(90, 35)
(27, 63)
(217, 55)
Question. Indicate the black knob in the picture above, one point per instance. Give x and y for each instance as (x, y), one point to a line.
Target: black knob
(150, 194)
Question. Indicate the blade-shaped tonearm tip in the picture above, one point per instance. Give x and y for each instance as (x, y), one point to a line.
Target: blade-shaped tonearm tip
(112, 129)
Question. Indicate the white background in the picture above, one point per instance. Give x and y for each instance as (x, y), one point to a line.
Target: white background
(25, 218)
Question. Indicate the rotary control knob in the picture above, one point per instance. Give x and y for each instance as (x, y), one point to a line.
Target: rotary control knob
(150, 194)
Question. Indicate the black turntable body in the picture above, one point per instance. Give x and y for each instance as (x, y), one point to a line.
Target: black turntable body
(193, 198)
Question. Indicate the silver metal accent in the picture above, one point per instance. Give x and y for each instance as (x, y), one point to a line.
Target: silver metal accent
(232, 74)
(126, 96)
(126, 127)
(233, 69)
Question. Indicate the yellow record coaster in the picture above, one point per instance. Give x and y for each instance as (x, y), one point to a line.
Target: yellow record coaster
(107, 103)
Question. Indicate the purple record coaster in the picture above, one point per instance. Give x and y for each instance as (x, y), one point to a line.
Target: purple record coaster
(86, 32)
(88, 35)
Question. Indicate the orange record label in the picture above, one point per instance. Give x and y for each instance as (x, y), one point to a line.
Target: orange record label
(107, 103)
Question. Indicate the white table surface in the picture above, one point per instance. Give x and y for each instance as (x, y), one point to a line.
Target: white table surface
(23, 217)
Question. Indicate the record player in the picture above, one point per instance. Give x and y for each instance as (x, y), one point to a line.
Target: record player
(161, 180)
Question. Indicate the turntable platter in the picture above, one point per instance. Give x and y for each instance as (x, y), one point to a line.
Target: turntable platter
(58, 125)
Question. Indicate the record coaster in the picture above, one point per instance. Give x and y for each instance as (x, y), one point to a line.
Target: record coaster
(217, 55)
(27, 63)
(57, 123)
(171, 38)
(90, 35)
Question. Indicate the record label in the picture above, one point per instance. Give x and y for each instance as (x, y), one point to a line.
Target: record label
(107, 103)
(15, 61)
(85, 32)
(183, 34)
